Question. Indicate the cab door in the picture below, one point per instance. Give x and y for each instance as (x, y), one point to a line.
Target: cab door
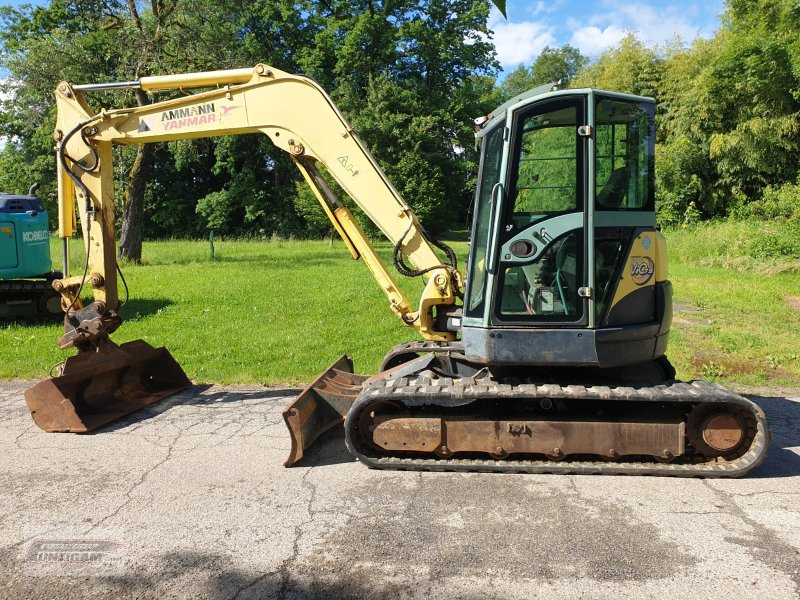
(625, 246)
(541, 260)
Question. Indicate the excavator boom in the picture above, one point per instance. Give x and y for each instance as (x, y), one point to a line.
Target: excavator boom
(106, 381)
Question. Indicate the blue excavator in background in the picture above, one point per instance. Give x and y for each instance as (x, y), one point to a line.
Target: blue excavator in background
(26, 274)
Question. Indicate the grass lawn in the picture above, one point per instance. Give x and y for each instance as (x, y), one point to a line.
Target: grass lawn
(737, 302)
(281, 311)
(261, 312)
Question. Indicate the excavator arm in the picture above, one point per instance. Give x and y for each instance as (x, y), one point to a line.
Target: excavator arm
(298, 117)
(106, 381)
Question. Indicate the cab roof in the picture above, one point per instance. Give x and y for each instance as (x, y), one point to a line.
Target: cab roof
(549, 89)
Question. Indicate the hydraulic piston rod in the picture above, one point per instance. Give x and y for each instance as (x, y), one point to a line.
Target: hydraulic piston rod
(172, 82)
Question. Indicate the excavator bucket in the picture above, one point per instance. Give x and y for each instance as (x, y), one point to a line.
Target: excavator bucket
(96, 388)
(321, 406)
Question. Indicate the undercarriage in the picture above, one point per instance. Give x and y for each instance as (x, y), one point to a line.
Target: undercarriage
(421, 415)
(30, 300)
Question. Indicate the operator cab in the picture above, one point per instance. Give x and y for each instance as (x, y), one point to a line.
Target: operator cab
(566, 264)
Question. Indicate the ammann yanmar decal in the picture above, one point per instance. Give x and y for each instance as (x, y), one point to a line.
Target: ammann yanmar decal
(184, 118)
(642, 269)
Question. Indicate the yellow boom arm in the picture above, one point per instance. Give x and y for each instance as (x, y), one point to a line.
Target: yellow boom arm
(297, 116)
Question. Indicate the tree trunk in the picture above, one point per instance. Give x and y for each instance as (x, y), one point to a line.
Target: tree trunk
(130, 240)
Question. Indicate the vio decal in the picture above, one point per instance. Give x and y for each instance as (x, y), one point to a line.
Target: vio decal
(642, 269)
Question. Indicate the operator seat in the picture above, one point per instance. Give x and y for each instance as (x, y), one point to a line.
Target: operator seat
(614, 192)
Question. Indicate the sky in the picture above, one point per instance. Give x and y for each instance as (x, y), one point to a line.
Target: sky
(595, 26)
(590, 26)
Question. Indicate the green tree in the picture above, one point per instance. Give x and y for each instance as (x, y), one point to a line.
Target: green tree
(407, 75)
(755, 82)
(731, 117)
(629, 67)
(40, 45)
(91, 41)
(557, 64)
(685, 174)
(552, 65)
(516, 82)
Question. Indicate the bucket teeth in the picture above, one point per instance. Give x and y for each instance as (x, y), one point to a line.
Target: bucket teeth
(96, 388)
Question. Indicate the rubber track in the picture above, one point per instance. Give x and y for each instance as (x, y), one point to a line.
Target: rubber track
(36, 288)
(447, 391)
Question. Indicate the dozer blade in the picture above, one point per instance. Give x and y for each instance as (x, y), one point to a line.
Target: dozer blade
(321, 406)
(96, 388)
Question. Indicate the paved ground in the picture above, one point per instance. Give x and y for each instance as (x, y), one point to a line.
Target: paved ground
(190, 499)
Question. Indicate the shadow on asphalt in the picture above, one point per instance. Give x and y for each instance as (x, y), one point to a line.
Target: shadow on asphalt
(196, 396)
(221, 579)
(782, 418)
(329, 449)
(200, 399)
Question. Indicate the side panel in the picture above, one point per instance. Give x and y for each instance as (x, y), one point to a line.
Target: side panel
(34, 244)
(8, 247)
(634, 300)
(607, 347)
(517, 346)
(24, 245)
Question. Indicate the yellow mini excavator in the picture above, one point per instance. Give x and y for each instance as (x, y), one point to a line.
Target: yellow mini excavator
(549, 357)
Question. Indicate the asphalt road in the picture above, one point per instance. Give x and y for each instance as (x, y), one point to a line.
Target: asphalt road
(189, 499)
